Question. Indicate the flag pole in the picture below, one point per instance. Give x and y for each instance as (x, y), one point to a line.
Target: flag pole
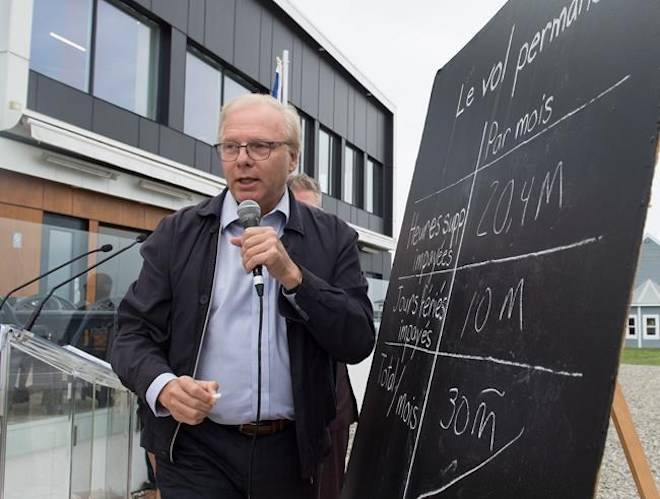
(285, 77)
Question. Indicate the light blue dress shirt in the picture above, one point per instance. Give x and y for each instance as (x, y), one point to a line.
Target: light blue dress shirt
(229, 351)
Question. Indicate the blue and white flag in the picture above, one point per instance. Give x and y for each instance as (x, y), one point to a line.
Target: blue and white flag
(277, 82)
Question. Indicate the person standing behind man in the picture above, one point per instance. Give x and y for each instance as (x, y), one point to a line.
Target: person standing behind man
(307, 190)
(189, 324)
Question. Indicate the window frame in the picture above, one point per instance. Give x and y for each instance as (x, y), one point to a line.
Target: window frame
(646, 335)
(154, 100)
(334, 149)
(634, 327)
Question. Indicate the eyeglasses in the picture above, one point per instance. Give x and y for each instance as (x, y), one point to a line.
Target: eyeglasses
(258, 150)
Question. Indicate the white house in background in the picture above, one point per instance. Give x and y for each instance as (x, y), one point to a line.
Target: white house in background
(643, 329)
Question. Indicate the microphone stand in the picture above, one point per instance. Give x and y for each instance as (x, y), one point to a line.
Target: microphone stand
(105, 248)
(33, 318)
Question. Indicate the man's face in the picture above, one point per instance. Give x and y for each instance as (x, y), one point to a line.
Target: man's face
(262, 181)
(307, 197)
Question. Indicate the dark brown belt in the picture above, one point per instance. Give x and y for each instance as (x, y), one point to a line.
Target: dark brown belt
(263, 428)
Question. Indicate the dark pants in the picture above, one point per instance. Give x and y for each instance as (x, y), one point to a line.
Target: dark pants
(211, 462)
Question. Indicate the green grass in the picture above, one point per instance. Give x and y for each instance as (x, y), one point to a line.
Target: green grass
(641, 356)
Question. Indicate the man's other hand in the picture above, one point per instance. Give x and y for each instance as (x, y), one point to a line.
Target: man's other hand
(188, 400)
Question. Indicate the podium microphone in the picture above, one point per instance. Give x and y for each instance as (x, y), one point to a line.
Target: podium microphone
(33, 318)
(249, 215)
(105, 249)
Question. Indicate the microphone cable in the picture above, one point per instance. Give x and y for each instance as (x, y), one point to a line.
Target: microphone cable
(254, 437)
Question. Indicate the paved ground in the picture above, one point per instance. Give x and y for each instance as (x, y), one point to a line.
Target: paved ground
(641, 388)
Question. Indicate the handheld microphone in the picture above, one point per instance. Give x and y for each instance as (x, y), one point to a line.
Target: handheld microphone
(105, 249)
(33, 318)
(249, 215)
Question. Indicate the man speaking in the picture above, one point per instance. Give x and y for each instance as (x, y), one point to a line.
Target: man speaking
(241, 388)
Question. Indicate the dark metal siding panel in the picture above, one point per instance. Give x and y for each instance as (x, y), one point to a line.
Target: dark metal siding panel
(326, 94)
(387, 265)
(216, 167)
(341, 105)
(196, 13)
(174, 12)
(33, 86)
(350, 125)
(247, 42)
(177, 80)
(203, 156)
(329, 204)
(363, 218)
(295, 72)
(266, 64)
(372, 131)
(360, 134)
(177, 146)
(380, 135)
(115, 123)
(310, 82)
(219, 28)
(282, 38)
(64, 103)
(344, 210)
(149, 138)
(375, 223)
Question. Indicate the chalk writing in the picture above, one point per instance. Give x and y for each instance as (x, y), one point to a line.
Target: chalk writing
(498, 216)
(458, 421)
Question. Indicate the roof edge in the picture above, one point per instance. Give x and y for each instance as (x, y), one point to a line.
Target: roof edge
(299, 18)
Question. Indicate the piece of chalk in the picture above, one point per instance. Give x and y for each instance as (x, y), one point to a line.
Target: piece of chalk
(217, 395)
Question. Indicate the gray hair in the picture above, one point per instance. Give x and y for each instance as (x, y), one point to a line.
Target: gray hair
(289, 113)
(303, 182)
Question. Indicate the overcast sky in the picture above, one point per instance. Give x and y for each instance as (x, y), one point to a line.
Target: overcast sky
(399, 46)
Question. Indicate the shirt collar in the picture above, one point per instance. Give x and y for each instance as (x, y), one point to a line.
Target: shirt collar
(230, 207)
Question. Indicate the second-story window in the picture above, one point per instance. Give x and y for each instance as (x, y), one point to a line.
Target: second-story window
(124, 55)
(208, 88)
(202, 106)
(125, 60)
(352, 177)
(61, 40)
(232, 88)
(373, 187)
(328, 160)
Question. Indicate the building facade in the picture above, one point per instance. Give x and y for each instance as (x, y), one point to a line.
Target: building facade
(109, 113)
(643, 329)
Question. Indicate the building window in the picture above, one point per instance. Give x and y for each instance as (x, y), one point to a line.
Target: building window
(124, 54)
(373, 187)
(119, 273)
(61, 39)
(306, 159)
(632, 326)
(125, 60)
(232, 88)
(208, 88)
(64, 238)
(352, 176)
(328, 157)
(202, 104)
(651, 326)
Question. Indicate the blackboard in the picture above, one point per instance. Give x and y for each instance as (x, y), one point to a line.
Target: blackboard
(497, 355)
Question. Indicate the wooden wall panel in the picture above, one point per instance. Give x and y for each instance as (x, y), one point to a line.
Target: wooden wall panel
(58, 198)
(21, 190)
(19, 264)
